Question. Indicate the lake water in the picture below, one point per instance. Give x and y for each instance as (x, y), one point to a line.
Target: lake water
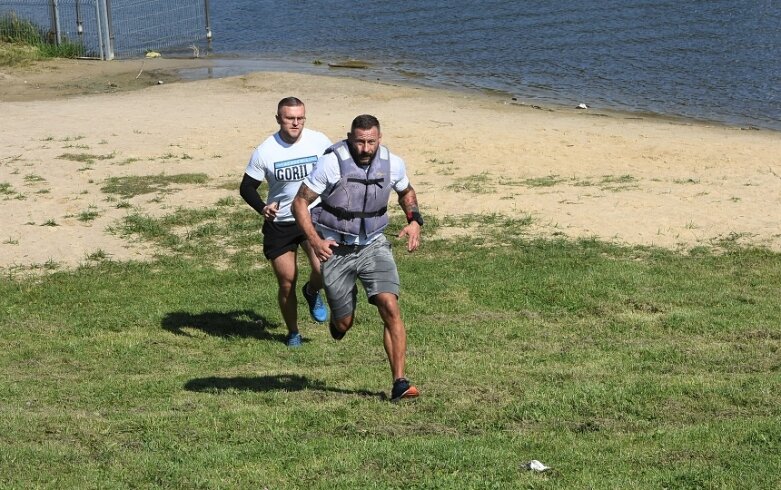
(717, 60)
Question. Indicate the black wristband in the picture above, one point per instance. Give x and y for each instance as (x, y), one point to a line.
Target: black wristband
(415, 216)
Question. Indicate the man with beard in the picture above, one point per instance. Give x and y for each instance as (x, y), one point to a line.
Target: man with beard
(354, 179)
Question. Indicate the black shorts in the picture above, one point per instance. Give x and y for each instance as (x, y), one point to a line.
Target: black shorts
(280, 238)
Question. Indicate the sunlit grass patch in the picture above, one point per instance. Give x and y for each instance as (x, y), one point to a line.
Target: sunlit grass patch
(89, 214)
(619, 367)
(231, 186)
(227, 201)
(78, 137)
(476, 184)
(12, 54)
(488, 219)
(617, 183)
(219, 233)
(545, 181)
(135, 185)
(97, 256)
(87, 158)
(33, 178)
(129, 160)
(442, 167)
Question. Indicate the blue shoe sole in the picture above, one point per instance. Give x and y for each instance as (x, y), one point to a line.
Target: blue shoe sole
(317, 309)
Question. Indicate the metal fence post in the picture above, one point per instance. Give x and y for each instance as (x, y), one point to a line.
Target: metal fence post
(105, 29)
(100, 31)
(208, 24)
(110, 28)
(79, 24)
(56, 22)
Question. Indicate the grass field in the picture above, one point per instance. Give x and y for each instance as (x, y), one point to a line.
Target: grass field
(617, 367)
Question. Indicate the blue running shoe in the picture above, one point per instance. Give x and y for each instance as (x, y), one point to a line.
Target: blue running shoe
(293, 340)
(316, 305)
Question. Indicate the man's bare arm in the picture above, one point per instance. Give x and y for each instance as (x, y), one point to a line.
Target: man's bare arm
(300, 208)
(301, 202)
(408, 201)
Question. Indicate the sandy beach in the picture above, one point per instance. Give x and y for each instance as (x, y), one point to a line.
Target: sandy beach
(622, 178)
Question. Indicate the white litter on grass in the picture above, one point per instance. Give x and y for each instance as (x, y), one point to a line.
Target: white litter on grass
(535, 465)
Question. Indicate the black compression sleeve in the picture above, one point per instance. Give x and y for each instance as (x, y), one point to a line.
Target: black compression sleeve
(249, 191)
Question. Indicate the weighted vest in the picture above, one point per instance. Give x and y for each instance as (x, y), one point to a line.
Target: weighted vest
(360, 199)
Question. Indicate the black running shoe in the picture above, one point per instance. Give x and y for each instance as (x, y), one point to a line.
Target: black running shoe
(336, 334)
(402, 390)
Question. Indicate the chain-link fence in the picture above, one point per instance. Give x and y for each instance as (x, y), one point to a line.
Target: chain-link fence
(107, 28)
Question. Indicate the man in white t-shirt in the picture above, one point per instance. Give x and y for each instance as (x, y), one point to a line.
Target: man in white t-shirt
(283, 160)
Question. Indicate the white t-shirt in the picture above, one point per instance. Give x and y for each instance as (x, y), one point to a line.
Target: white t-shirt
(284, 166)
(327, 174)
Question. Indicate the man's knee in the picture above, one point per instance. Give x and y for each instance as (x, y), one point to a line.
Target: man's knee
(388, 305)
(286, 285)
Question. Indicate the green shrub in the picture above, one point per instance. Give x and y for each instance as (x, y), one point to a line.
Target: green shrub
(16, 30)
(22, 41)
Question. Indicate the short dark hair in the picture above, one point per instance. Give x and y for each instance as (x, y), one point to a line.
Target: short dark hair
(365, 121)
(289, 102)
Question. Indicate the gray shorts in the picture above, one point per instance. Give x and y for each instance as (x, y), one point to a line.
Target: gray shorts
(373, 265)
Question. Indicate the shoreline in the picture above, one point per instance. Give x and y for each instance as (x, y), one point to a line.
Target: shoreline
(616, 177)
(181, 69)
(226, 66)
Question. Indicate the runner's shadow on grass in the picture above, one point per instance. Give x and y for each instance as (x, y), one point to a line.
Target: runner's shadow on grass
(241, 323)
(283, 382)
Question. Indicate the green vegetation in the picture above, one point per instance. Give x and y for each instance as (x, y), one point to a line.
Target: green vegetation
(617, 367)
(89, 214)
(443, 167)
(135, 185)
(73, 138)
(127, 161)
(21, 42)
(33, 178)
(85, 157)
(618, 183)
(512, 226)
(546, 181)
(476, 184)
(97, 256)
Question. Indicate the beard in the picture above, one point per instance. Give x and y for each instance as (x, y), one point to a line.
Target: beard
(362, 158)
(366, 157)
